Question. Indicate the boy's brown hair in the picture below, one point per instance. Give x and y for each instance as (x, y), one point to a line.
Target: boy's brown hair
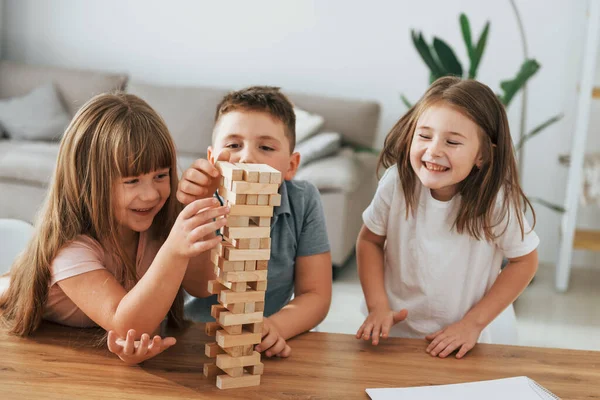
(268, 99)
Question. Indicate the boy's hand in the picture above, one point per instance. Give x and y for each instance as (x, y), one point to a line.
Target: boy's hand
(379, 323)
(133, 351)
(272, 343)
(462, 334)
(201, 180)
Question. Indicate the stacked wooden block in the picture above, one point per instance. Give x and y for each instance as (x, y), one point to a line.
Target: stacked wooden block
(240, 262)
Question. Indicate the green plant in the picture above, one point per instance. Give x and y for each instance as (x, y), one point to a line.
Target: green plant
(441, 60)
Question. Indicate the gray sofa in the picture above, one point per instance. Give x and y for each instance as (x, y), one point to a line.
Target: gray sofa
(346, 180)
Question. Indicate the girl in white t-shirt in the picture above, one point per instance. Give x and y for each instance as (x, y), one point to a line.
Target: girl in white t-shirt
(112, 247)
(446, 212)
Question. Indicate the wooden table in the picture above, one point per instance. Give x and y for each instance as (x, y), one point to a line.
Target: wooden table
(61, 363)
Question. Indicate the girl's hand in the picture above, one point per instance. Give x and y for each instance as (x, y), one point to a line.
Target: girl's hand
(273, 344)
(378, 323)
(462, 334)
(197, 220)
(133, 351)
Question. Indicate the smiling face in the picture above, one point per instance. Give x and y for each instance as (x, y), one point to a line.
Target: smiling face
(138, 199)
(445, 148)
(254, 137)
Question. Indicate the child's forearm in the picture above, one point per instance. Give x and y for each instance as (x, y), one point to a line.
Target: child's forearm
(511, 282)
(369, 258)
(199, 271)
(145, 306)
(301, 314)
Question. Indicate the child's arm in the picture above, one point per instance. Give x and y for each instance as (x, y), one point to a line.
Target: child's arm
(312, 297)
(511, 282)
(100, 296)
(369, 256)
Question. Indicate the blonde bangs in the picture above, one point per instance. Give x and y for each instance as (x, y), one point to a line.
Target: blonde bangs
(144, 147)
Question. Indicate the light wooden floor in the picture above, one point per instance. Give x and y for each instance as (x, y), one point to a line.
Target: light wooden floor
(545, 318)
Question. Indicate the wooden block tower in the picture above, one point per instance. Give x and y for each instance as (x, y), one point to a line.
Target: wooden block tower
(241, 261)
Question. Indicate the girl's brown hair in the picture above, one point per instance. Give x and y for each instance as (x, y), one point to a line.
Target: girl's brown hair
(477, 214)
(111, 136)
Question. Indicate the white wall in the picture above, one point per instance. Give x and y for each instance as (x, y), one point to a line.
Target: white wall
(334, 47)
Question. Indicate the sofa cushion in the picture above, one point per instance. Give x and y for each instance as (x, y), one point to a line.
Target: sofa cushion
(27, 162)
(307, 124)
(338, 172)
(321, 145)
(75, 86)
(188, 112)
(39, 115)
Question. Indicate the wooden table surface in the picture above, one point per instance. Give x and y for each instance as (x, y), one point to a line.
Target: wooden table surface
(61, 363)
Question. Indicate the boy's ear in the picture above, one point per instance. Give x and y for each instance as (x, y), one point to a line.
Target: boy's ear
(293, 166)
(209, 155)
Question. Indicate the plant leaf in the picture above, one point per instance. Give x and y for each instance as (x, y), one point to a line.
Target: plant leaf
(364, 149)
(405, 101)
(478, 51)
(537, 130)
(465, 27)
(511, 87)
(447, 58)
(424, 50)
(547, 204)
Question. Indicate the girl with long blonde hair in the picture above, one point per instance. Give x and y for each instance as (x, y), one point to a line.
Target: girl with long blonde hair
(447, 210)
(111, 247)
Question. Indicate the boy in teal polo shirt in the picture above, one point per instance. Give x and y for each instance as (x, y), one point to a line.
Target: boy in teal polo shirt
(257, 125)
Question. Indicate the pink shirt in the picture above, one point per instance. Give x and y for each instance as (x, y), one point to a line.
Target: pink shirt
(82, 255)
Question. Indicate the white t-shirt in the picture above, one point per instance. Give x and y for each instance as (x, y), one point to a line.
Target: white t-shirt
(435, 273)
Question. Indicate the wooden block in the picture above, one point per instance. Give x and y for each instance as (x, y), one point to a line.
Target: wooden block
(256, 168)
(235, 372)
(226, 265)
(243, 276)
(227, 318)
(263, 199)
(258, 286)
(256, 327)
(215, 310)
(233, 254)
(246, 243)
(238, 286)
(250, 307)
(238, 221)
(211, 370)
(257, 369)
(265, 243)
(250, 173)
(210, 328)
(241, 187)
(239, 351)
(255, 211)
(275, 200)
(246, 232)
(235, 286)
(233, 329)
(250, 265)
(225, 339)
(226, 361)
(214, 287)
(231, 197)
(275, 175)
(227, 296)
(221, 246)
(230, 171)
(227, 382)
(252, 199)
(261, 221)
(259, 306)
(212, 349)
(236, 308)
(262, 264)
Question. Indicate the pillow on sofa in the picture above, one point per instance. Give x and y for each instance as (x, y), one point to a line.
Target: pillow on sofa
(338, 172)
(307, 124)
(319, 146)
(39, 115)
